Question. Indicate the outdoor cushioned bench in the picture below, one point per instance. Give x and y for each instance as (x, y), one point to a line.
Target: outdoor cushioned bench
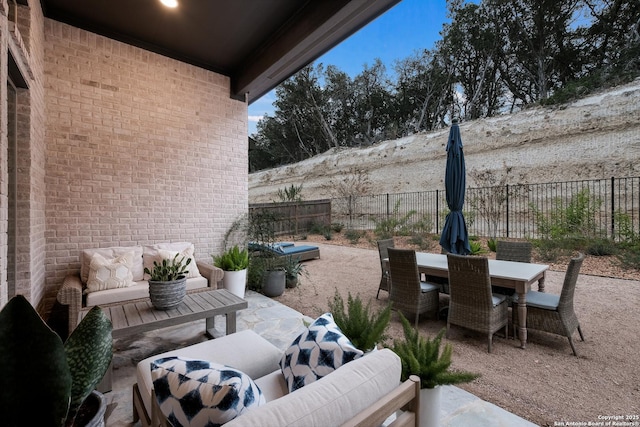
(364, 392)
(302, 252)
(115, 275)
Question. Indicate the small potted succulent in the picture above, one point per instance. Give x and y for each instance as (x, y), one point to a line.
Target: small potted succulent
(292, 270)
(168, 282)
(234, 262)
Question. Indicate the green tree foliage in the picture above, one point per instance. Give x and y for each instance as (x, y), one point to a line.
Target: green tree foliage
(494, 56)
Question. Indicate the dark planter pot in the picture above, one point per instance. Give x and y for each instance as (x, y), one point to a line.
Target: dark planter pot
(273, 283)
(91, 412)
(292, 281)
(167, 295)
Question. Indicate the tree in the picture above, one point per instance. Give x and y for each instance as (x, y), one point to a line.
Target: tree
(470, 42)
(422, 92)
(372, 103)
(538, 53)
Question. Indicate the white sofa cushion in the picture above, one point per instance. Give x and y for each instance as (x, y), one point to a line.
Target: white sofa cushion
(273, 386)
(136, 291)
(137, 269)
(192, 392)
(244, 350)
(316, 352)
(161, 251)
(334, 399)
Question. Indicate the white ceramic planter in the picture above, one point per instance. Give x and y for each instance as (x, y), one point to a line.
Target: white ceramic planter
(235, 282)
(430, 407)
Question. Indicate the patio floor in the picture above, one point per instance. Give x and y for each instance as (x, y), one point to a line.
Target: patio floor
(280, 325)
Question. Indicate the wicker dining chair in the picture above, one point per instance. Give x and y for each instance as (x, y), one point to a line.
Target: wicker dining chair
(471, 303)
(511, 251)
(408, 294)
(385, 280)
(554, 313)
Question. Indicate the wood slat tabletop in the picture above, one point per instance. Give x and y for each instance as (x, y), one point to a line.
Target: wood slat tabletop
(141, 316)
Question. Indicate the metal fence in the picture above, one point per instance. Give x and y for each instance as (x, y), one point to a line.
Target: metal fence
(589, 208)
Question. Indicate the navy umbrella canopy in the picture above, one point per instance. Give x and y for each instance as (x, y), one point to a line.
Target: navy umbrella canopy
(455, 238)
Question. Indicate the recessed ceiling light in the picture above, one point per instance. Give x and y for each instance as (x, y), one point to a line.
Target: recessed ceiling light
(170, 3)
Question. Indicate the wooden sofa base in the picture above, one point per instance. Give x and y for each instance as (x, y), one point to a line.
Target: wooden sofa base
(405, 397)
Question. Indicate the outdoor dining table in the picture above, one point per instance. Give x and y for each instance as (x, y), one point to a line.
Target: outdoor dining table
(508, 274)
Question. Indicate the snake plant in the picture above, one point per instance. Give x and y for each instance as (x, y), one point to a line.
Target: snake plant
(44, 381)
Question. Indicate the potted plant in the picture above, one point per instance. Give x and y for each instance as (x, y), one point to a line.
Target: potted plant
(46, 381)
(424, 358)
(234, 262)
(267, 265)
(168, 282)
(358, 322)
(292, 269)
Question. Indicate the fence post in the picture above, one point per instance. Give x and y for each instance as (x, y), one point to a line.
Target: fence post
(437, 210)
(388, 213)
(507, 210)
(613, 207)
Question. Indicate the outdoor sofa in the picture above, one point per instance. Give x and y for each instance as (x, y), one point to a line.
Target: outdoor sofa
(126, 280)
(366, 389)
(282, 249)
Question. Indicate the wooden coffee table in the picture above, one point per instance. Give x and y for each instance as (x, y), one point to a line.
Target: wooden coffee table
(138, 317)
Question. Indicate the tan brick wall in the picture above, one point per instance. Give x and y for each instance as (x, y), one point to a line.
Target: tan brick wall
(140, 148)
(24, 43)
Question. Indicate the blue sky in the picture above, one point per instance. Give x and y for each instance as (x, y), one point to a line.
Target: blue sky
(409, 26)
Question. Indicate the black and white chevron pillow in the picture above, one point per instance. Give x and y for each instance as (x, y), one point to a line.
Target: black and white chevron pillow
(200, 393)
(317, 352)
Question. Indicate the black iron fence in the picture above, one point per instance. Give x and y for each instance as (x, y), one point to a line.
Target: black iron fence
(588, 208)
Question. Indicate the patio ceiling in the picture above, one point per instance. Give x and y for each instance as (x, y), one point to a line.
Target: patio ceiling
(257, 43)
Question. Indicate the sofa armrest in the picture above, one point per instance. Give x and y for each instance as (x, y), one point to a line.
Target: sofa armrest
(212, 273)
(70, 294)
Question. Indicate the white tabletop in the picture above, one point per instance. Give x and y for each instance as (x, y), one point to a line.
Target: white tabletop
(520, 271)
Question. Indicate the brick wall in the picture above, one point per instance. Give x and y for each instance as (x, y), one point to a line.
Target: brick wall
(21, 40)
(140, 148)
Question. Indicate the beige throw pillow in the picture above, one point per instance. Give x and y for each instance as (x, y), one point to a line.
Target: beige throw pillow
(158, 253)
(110, 273)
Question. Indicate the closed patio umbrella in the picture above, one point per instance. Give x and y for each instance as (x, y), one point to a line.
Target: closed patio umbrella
(455, 238)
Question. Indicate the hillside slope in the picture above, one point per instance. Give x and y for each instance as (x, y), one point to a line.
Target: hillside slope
(596, 137)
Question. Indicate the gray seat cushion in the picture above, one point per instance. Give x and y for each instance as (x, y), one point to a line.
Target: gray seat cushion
(497, 299)
(428, 287)
(540, 300)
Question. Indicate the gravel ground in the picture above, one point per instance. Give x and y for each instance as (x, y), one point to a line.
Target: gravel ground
(543, 383)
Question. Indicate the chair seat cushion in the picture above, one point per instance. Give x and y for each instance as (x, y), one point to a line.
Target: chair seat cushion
(428, 287)
(541, 300)
(497, 299)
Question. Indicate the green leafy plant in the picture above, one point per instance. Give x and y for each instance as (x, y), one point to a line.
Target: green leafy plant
(292, 193)
(234, 259)
(293, 267)
(353, 235)
(358, 322)
(425, 358)
(476, 247)
(169, 270)
(389, 226)
(31, 353)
